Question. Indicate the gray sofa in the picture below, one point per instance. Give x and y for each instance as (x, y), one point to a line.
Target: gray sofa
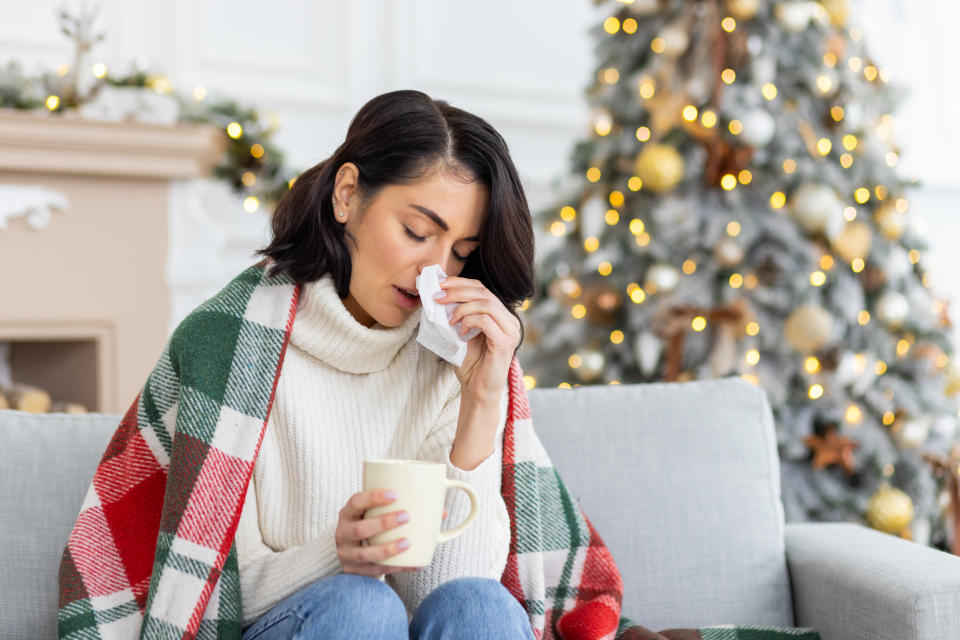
(681, 480)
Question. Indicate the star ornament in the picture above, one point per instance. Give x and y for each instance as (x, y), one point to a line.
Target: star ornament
(832, 448)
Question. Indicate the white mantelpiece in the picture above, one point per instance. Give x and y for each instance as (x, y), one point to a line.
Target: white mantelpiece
(84, 302)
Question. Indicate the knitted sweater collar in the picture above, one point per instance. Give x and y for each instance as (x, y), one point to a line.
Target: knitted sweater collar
(324, 328)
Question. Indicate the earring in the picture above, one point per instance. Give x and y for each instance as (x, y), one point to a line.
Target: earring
(340, 213)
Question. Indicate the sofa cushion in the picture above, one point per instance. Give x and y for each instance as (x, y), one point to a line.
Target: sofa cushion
(46, 465)
(682, 482)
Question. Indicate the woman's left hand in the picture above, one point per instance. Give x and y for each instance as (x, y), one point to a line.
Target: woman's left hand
(483, 374)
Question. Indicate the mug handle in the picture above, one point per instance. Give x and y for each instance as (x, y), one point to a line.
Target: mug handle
(450, 534)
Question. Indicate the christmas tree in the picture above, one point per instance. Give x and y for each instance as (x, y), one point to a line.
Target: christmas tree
(735, 209)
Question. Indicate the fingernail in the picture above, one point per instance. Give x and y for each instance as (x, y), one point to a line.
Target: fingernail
(390, 495)
(442, 294)
(403, 544)
(403, 516)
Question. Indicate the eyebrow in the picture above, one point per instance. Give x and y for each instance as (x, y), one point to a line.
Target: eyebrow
(440, 221)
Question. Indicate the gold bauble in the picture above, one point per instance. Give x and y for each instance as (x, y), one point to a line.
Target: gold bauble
(952, 386)
(890, 510)
(808, 328)
(854, 241)
(837, 10)
(660, 167)
(742, 9)
(892, 222)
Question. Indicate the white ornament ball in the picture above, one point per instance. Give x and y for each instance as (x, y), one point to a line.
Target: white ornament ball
(758, 128)
(897, 264)
(728, 253)
(853, 116)
(591, 365)
(816, 207)
(808, 328)
(794, 15)
(663, 276)
(675, 39)
(912, 432)
(893, 308)
(763, 69)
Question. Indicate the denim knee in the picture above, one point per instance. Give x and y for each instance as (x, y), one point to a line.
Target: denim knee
(471, 607)
(341, 606)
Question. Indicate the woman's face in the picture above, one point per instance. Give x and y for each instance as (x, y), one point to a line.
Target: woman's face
(404, 229)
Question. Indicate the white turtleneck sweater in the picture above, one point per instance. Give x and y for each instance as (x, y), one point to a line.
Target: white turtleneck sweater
(349, 393)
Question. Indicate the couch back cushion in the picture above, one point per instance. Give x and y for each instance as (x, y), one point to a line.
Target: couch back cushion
(682, 482)
(46, 465)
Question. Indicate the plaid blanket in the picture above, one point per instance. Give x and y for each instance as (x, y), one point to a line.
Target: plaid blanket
(151, 553)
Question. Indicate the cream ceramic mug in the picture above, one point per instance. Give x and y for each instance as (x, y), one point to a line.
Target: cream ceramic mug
(421, 491)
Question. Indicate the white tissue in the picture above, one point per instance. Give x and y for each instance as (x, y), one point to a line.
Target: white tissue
(436, 332)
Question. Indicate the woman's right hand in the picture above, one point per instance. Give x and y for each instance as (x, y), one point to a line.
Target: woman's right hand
(353, 531)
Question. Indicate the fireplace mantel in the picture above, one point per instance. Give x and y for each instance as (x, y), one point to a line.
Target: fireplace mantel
(92, 280)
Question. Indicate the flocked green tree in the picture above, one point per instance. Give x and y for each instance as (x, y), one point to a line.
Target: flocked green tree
(736, 209)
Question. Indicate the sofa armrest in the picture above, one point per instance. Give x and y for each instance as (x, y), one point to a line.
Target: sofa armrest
(851, 582)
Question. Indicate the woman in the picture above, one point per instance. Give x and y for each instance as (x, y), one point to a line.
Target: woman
(416, 183)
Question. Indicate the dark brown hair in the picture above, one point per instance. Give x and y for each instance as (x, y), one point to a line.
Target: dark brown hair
(398, 138)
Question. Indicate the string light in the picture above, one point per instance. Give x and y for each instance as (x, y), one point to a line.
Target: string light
(817, 278)
(256, 150)
(629, 26)
(643, 239)
(647, 88)
(234, 130)
(733, 228)
(689, 113)
(824, 145)
(634, 183)
(863, 318)
(251, 204)
(611, 217)
(593, 174)
(728, 75)
(736, 280)
(558, 229)
(811, 364)
(846, 160)
(53, 102)
(888, 418)
(824, 83)
(616, 337)
(564, 385)
(854, 415)
(778, 199)
(616, 198)
(728, 24)
(591, 244)
(769, 91)
(752, 328)
(855, 64)
(815, 391)
(636, 226)
(861, 195)
(575, 361)
(529, 382)
(849, 214)
(658, 45)
(604, 268)
(525, 305)
(857, 265)
(826, 262)
(836, 113)
(689, 267)
(638, 295)
(880, 368)
(611, 25)
(850, 142)
(643, 134)
(752, 357)
(708, 118)
(728, 181)
(578, 311)
(568, 213)
(249, 178)
(735, 127)
(199, 93)
(699, 323)
(99, 69)
(609, 75)
(745, 176)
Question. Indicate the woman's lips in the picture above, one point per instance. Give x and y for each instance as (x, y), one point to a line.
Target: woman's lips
(405, 300)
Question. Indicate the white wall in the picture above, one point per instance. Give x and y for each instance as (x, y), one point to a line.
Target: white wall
(521, 65)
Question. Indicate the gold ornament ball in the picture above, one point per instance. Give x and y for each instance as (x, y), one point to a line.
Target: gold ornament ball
(660, 167)
(892, 222)
(952, 386)
(837, 10)
(808, 328)
(591, 365)
(890, 510)
(742, 9)
(854, 241)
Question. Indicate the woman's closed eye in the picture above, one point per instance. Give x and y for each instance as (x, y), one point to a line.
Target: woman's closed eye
(417, 238)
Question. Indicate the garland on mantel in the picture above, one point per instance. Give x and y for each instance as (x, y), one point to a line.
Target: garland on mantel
(252, 165)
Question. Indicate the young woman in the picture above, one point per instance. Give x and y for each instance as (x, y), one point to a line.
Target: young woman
(417, 182)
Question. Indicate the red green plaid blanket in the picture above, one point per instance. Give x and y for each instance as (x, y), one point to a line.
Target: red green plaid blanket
(151, 554)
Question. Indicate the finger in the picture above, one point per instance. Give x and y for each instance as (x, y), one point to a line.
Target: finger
(508, 324)
(497, 340)
(369, 527)
(363, 500)
(375, 552)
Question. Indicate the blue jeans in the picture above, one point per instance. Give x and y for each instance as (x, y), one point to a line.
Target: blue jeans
(353, 606)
